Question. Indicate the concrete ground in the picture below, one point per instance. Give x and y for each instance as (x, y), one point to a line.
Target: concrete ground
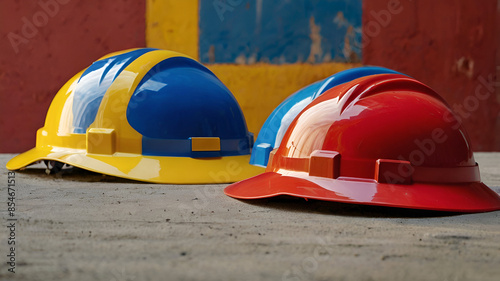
(85, 226)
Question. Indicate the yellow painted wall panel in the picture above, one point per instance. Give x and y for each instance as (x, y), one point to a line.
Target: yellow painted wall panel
(173, 25)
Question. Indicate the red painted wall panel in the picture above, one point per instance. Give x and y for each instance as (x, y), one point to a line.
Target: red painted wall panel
(450, 45)
(66, 36)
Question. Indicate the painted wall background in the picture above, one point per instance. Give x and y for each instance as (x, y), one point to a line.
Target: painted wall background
(276, 65)
(453, 46)
(280, 32)
(54, 40)
(262, 50)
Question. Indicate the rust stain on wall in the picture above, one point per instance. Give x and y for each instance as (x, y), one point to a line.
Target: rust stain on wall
(464, 66)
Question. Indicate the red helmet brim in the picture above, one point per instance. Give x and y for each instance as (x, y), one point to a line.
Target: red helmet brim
(466, 197)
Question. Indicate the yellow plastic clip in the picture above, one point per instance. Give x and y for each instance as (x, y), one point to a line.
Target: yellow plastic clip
(205, 144)
(101, 141)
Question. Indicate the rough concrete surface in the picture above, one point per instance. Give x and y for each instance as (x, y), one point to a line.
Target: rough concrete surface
(85, 226)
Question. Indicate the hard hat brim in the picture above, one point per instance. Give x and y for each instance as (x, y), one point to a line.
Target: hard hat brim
(155, 169)
(466, 197)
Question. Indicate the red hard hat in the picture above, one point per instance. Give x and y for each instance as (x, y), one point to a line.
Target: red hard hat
(384, 140)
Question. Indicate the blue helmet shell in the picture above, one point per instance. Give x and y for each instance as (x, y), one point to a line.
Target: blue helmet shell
(277, 123)
(178, 99)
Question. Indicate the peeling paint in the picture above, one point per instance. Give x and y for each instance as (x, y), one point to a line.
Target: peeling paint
(241, 59)
(465, 66)
(315, 54)
(327, 57)
(281, 31)
(350, 39)
(339, 20)
(252, 59)
(348, 51)
(258, 16)
(211, 54)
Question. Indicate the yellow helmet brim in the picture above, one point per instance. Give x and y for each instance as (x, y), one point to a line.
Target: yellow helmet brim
(155, 169)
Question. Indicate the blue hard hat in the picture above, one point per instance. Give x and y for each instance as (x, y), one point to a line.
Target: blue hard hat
(150, 115)
(277, 123)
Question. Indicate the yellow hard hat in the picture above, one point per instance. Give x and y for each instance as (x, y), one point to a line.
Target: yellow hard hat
(149, 115)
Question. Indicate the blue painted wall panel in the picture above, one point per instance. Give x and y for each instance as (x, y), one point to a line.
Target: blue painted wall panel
(283, 31)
